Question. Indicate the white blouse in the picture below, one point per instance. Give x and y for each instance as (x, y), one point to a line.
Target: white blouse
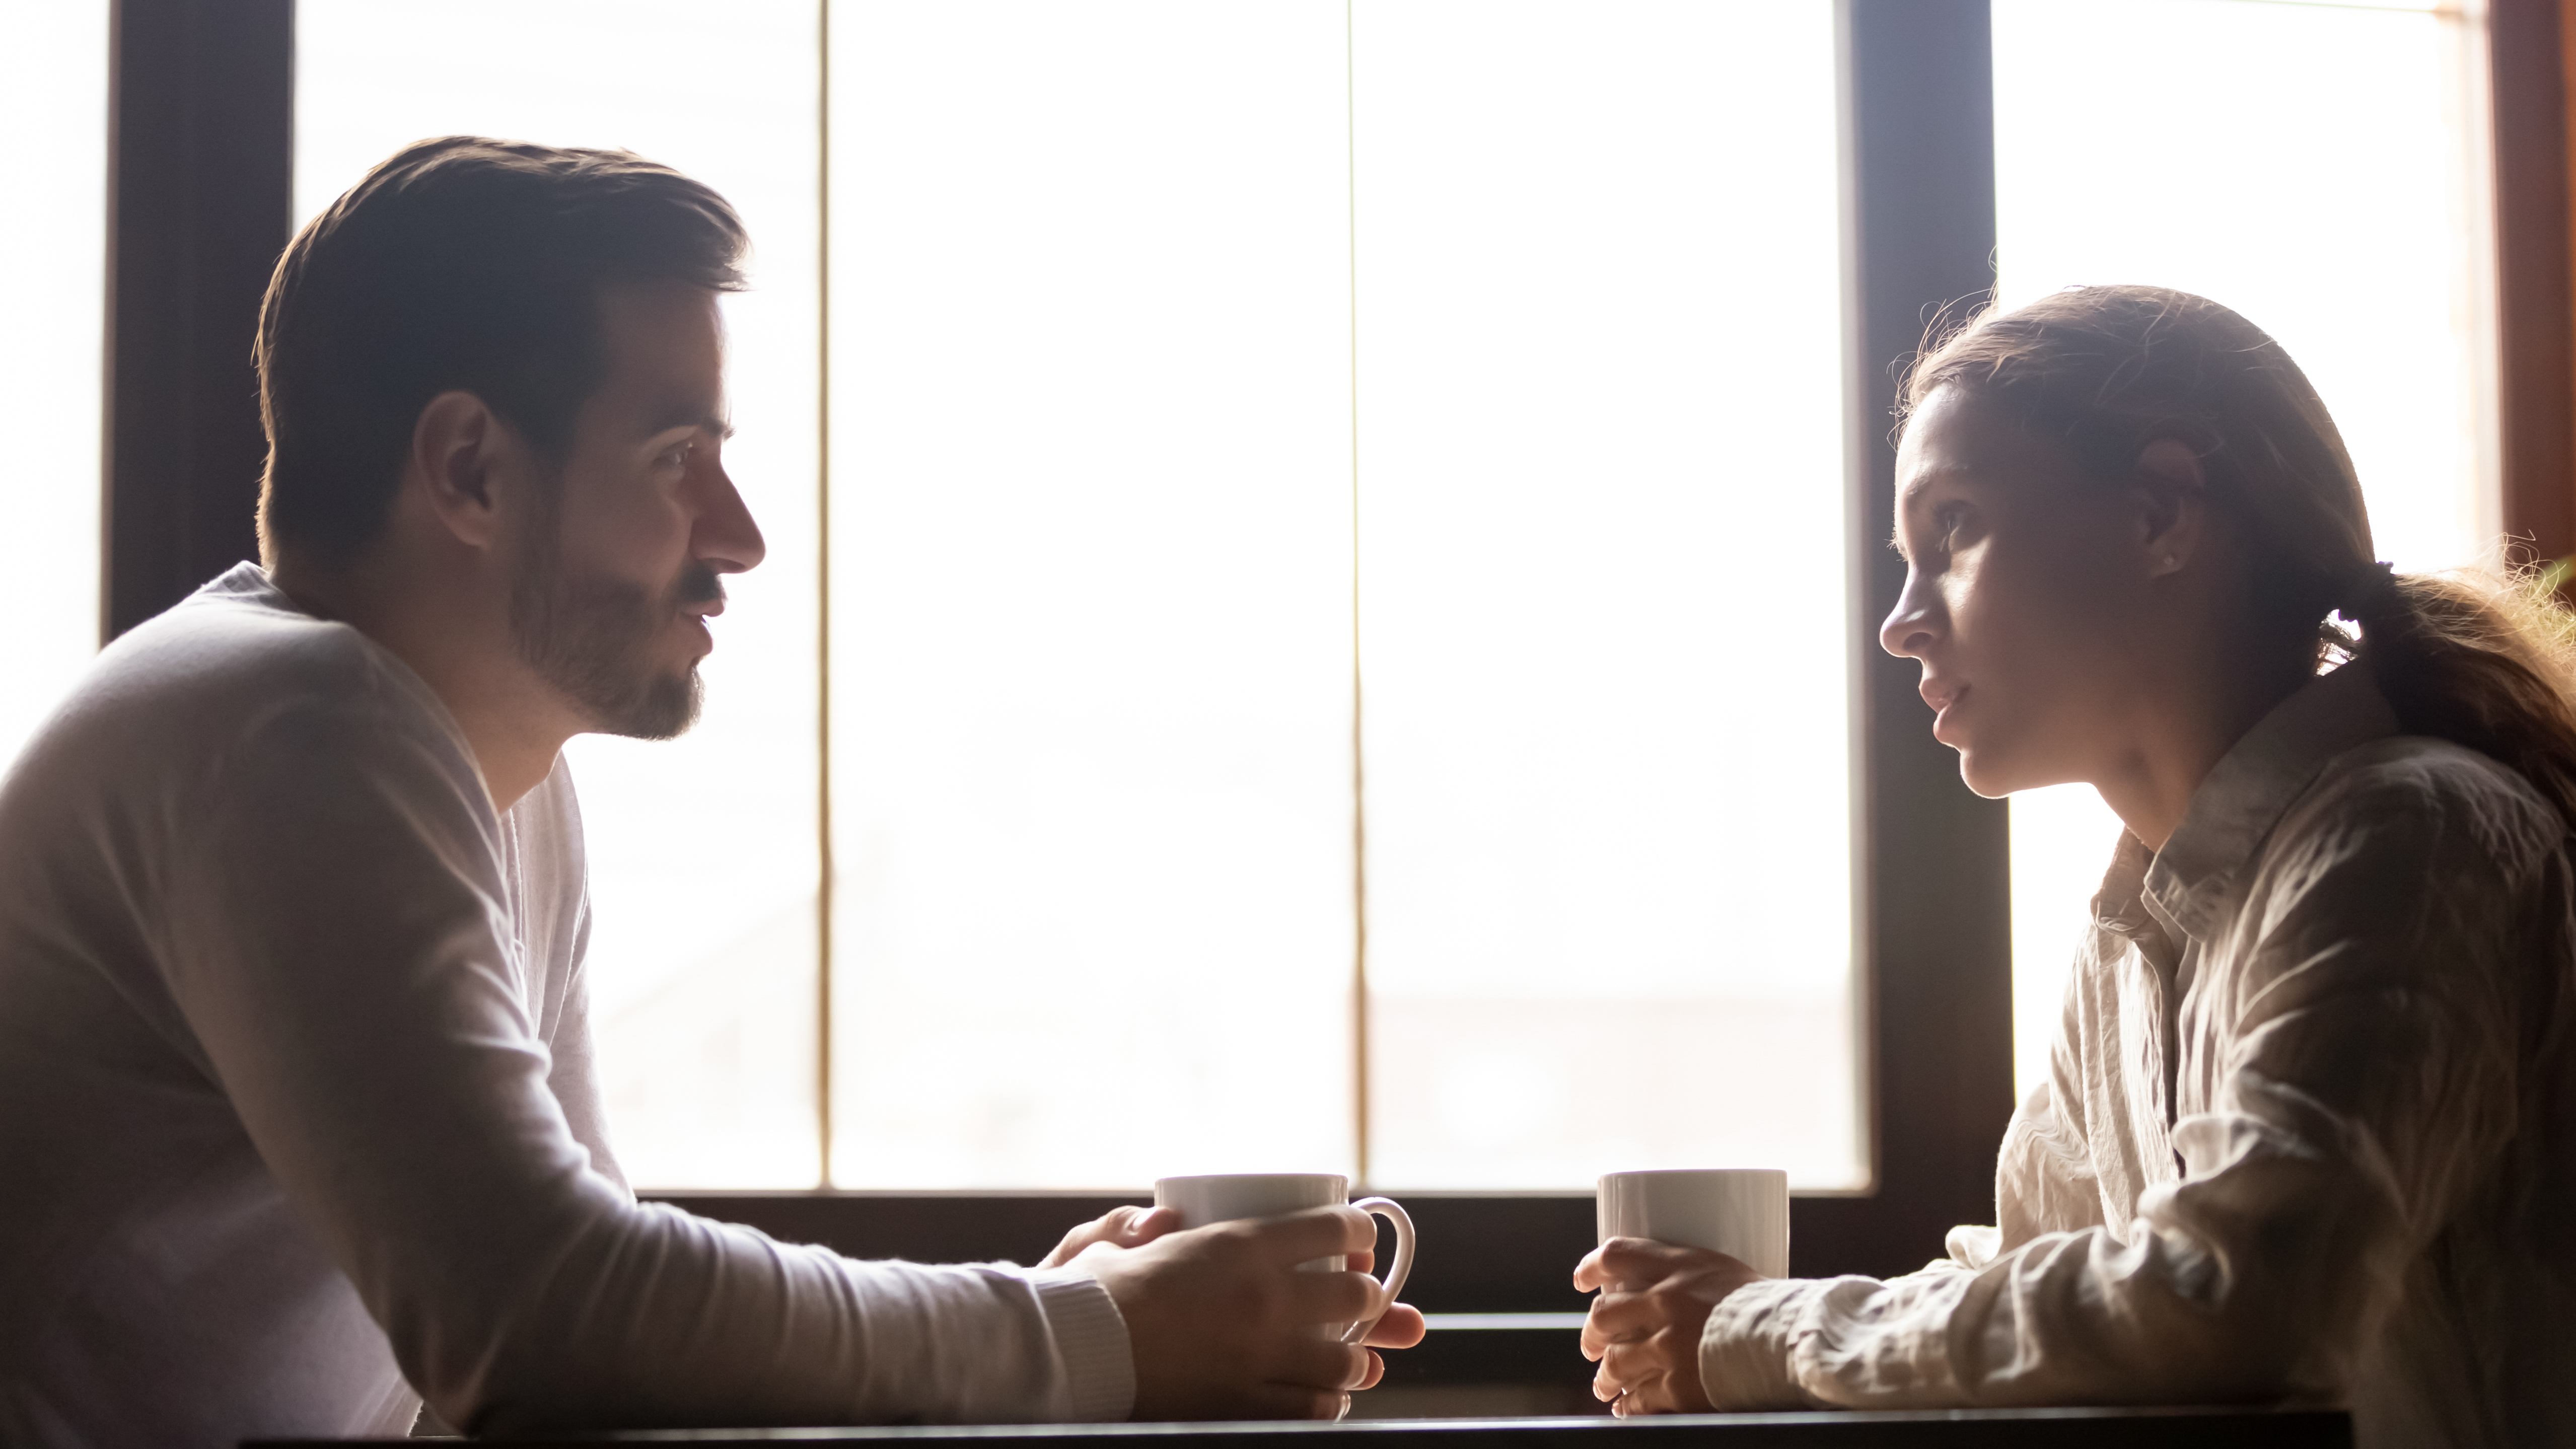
(2309, 1132)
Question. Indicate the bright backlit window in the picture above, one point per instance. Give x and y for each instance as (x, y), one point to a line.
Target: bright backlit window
(1314, 489)
(2319, 168)
(1601, 523)
(53, 312)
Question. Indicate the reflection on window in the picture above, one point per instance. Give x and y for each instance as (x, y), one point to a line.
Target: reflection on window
(55, 104)
(2320, 169)
(702, 852)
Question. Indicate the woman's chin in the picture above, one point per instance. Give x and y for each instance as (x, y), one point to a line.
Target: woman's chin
(1981, 776)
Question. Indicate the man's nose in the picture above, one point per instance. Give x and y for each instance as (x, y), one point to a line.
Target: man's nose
(727, 539)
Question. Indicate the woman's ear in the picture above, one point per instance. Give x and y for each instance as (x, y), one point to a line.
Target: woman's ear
(2173, 505)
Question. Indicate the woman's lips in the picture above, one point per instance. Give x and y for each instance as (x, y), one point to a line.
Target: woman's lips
(1944, 699)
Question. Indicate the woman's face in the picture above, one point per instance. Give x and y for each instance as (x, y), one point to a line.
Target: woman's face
(2026, 598)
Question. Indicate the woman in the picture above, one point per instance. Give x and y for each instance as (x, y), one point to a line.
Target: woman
(2309, 1131)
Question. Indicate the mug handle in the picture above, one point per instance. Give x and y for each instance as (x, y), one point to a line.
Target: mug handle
(1394, 1213)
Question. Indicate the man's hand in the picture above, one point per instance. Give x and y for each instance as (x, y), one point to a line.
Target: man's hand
(1120, 1227)
(1223, 1326)
(1644, 1328)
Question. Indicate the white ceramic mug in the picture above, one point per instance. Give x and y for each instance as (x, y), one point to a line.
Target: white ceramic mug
(1225, 1196)
(1742, 1212)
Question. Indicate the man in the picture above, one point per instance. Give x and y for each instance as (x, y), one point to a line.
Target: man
(297, 1113)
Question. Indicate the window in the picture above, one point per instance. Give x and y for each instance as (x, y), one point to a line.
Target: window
(2321, 169)
(57, 92)
(1290, 466)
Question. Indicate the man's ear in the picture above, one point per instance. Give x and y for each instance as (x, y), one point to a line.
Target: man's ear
(462, 458)
(2173, 505)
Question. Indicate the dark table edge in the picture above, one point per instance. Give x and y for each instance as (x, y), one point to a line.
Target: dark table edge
(2303, 1425)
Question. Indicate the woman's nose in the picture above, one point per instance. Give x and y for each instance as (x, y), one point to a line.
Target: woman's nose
(1913, 625)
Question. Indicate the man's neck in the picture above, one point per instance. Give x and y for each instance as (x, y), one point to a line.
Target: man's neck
(457, 639)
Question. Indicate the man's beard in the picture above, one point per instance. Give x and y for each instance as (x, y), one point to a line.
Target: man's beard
(592, 637)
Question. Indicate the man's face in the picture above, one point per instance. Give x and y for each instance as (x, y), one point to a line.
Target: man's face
(618, 572)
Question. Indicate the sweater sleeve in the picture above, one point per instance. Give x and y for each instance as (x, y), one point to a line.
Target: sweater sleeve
(2365, 1089)
(335, 935)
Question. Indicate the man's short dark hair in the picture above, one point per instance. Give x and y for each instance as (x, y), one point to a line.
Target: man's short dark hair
(460, 264)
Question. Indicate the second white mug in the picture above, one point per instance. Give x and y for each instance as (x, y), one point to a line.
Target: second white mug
(1225, 1196)
(1742, 1212)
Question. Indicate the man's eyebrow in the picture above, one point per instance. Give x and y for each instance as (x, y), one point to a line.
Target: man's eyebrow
(691, 417)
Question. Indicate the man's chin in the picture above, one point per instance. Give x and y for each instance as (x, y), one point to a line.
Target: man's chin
(664, 709)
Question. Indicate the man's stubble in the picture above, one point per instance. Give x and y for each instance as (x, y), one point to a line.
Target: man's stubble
(591, 636)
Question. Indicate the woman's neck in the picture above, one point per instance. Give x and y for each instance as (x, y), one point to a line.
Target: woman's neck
(2180, 737)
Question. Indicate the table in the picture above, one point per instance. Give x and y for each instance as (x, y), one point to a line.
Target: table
(2202, 1428)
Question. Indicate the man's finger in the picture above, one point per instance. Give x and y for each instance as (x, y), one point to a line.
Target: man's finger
(1318, 1363)
(1333, 1297)
(1291, 1401)
(1141, 1225)
(1401, 1327)
(1323, 1232)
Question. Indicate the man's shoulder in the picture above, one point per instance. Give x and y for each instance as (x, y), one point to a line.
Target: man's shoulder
(232, 663)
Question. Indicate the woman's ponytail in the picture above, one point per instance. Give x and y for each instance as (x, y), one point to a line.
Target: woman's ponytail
(2483, 662)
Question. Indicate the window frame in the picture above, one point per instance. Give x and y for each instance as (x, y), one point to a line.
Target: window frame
(201, 151)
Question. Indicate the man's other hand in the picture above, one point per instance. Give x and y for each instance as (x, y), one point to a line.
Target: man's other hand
(1645, 1327)
(1120, 1227)
(1223, 1326)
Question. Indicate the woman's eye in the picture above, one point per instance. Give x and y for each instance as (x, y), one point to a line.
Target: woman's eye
(677, 458)
(1946, 520)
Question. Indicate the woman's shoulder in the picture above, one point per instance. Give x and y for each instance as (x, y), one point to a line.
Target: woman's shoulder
(2419, 794)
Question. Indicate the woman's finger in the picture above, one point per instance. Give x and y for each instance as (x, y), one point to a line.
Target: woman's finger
(1629, 1262)
(1648, 1369)
(1616, 1316)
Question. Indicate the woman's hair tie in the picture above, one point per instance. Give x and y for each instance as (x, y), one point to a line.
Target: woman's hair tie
(2370, 588)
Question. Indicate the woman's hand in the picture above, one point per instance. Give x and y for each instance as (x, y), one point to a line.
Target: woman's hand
(1644, 1328)
(1120, 1227)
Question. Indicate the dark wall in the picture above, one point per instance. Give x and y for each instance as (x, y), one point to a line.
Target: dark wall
(202, 117)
